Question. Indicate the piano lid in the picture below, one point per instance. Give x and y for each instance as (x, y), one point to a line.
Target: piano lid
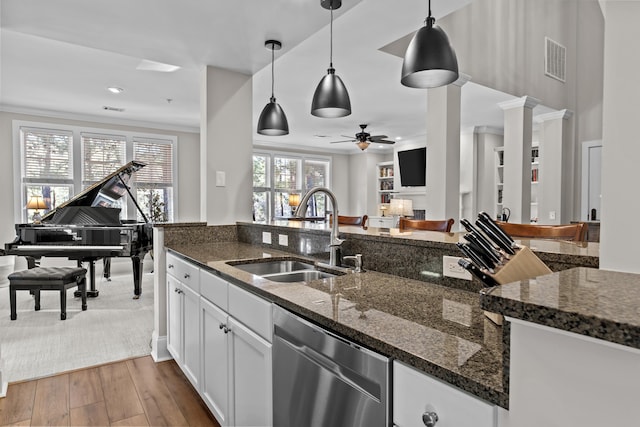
(103, 193)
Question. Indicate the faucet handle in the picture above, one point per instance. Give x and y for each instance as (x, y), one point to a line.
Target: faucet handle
(357, 258)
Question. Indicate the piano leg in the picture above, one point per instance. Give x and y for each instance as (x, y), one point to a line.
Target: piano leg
(92, 292)
(136, 262)
(106, 263)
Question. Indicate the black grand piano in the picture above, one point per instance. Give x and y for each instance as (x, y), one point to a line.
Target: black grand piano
(87, 228)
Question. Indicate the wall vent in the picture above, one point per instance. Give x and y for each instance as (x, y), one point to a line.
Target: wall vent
(555, 59)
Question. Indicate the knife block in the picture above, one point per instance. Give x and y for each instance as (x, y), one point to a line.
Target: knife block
(522, 266)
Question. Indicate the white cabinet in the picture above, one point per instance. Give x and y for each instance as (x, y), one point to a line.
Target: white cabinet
(251, 394)
(235, 353)
(415, 393)
(183, 331)
(215, 361)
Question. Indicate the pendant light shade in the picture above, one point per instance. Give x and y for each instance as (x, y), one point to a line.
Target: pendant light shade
(331, 98)
(430, 60)
(273, 121)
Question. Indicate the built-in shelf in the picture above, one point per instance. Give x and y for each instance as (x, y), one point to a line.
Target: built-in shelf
(500, 181)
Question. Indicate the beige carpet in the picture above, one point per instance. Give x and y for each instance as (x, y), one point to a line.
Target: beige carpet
(114, 327)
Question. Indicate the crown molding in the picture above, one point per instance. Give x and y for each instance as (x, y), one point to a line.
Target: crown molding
(555, 115)
(489, 129)
(524, 101)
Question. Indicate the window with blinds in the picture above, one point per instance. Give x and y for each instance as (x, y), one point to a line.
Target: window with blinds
(47, 154)
(101, 155)
(58, 162)
(154, 182)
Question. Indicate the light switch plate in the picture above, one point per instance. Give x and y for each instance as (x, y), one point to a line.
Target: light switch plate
(451, 268)
(266, 237)
(283, 240)
(221, 179)
(552, 214)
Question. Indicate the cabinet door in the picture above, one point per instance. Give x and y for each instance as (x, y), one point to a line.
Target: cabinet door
(415, 393)
(214, 382)
(251, 370)
(191, 335)
(174, 318)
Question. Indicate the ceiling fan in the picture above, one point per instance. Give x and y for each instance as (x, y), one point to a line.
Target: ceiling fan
(363, 139)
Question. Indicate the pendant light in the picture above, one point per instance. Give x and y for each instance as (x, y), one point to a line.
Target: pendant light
(331, 98)
(273, 121)
(430, 60)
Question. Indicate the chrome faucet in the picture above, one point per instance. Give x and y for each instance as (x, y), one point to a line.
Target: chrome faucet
(334, 243)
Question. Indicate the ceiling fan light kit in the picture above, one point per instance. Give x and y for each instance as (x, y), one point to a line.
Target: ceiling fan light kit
(331, 99)
(430, 60)
(273, 121)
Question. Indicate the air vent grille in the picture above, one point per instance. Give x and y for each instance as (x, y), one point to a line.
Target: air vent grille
(555, 59)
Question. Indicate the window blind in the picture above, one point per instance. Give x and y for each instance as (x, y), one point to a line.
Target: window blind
(47, 154)
(158, 156)
(102, 155)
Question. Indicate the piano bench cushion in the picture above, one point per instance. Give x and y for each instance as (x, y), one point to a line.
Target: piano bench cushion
(52, 275)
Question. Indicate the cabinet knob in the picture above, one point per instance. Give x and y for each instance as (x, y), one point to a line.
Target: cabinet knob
(170, 266)
(186, 275)
(176, 290)
(430, 419)
(222, 325)
(224, 328)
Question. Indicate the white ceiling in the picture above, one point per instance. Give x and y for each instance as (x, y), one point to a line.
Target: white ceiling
(58, 57)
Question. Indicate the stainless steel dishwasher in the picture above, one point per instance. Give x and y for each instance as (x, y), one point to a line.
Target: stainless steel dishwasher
(320, 379)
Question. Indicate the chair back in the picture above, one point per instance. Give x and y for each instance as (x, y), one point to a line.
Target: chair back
(351, 220)
(572, 232)
(426, 224)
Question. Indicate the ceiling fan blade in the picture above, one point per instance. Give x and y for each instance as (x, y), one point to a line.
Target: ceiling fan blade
(383, 141)
(346, 140)
(373, 137)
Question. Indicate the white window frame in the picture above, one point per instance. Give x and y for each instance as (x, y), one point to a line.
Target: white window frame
(271, 155)
(77, 160)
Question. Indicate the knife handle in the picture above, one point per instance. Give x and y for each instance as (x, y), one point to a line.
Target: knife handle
(497, 239)
(475, 271)
(477, 259)
(496, 227)
(487, 249)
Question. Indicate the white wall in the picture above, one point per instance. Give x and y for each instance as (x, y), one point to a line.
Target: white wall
(619, 232)
(188, 188)
(363, 181)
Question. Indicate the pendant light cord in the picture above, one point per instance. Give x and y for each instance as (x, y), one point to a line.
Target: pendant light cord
(331, 37)
(272, 74)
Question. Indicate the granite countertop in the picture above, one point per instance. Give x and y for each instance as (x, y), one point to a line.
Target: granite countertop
(595, 303)
(439, 330)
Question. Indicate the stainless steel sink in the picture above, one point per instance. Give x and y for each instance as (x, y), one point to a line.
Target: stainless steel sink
(299, 276)
(285, 270)
(274, 267)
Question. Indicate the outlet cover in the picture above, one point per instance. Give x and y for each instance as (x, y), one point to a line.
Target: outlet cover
(266, 237)
(552, 214)
(283, 240)
(451, 268)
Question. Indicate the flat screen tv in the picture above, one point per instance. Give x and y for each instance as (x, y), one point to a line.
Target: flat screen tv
(413, 167)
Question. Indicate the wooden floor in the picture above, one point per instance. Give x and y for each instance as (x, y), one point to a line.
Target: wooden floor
(135, 392)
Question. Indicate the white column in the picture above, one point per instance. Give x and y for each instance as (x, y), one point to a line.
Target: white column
(518, 128)
(159, 350)
(226, 131)
(620, 204)
(555, 192)
(486, 140)
(3, 379)
(443, 151)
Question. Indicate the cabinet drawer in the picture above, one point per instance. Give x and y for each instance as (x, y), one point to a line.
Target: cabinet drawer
(415, 393)
(184, 271)
(214, 289)
(251, 310)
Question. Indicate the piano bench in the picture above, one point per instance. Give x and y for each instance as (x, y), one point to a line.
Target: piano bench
(48, 279)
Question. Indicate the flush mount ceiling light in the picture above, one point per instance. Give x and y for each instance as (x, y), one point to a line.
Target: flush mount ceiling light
(115, 89)
(331, 98)
(273, 121)
(430, 60)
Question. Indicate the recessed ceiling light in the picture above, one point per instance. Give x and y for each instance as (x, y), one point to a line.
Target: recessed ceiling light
(115, 89)
(398, 138)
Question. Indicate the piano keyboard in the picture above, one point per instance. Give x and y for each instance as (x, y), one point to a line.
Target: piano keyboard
(70, 248)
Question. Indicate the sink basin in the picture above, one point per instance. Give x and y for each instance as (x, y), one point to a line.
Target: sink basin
(299, 276)
(274, 267)
(285, 270)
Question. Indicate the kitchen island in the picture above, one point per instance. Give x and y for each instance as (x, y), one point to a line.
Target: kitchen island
(440, 330)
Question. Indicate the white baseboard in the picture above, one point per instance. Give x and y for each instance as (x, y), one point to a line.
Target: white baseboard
(159, 351)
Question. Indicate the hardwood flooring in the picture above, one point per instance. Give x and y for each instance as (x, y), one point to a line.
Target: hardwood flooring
(135, 392)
